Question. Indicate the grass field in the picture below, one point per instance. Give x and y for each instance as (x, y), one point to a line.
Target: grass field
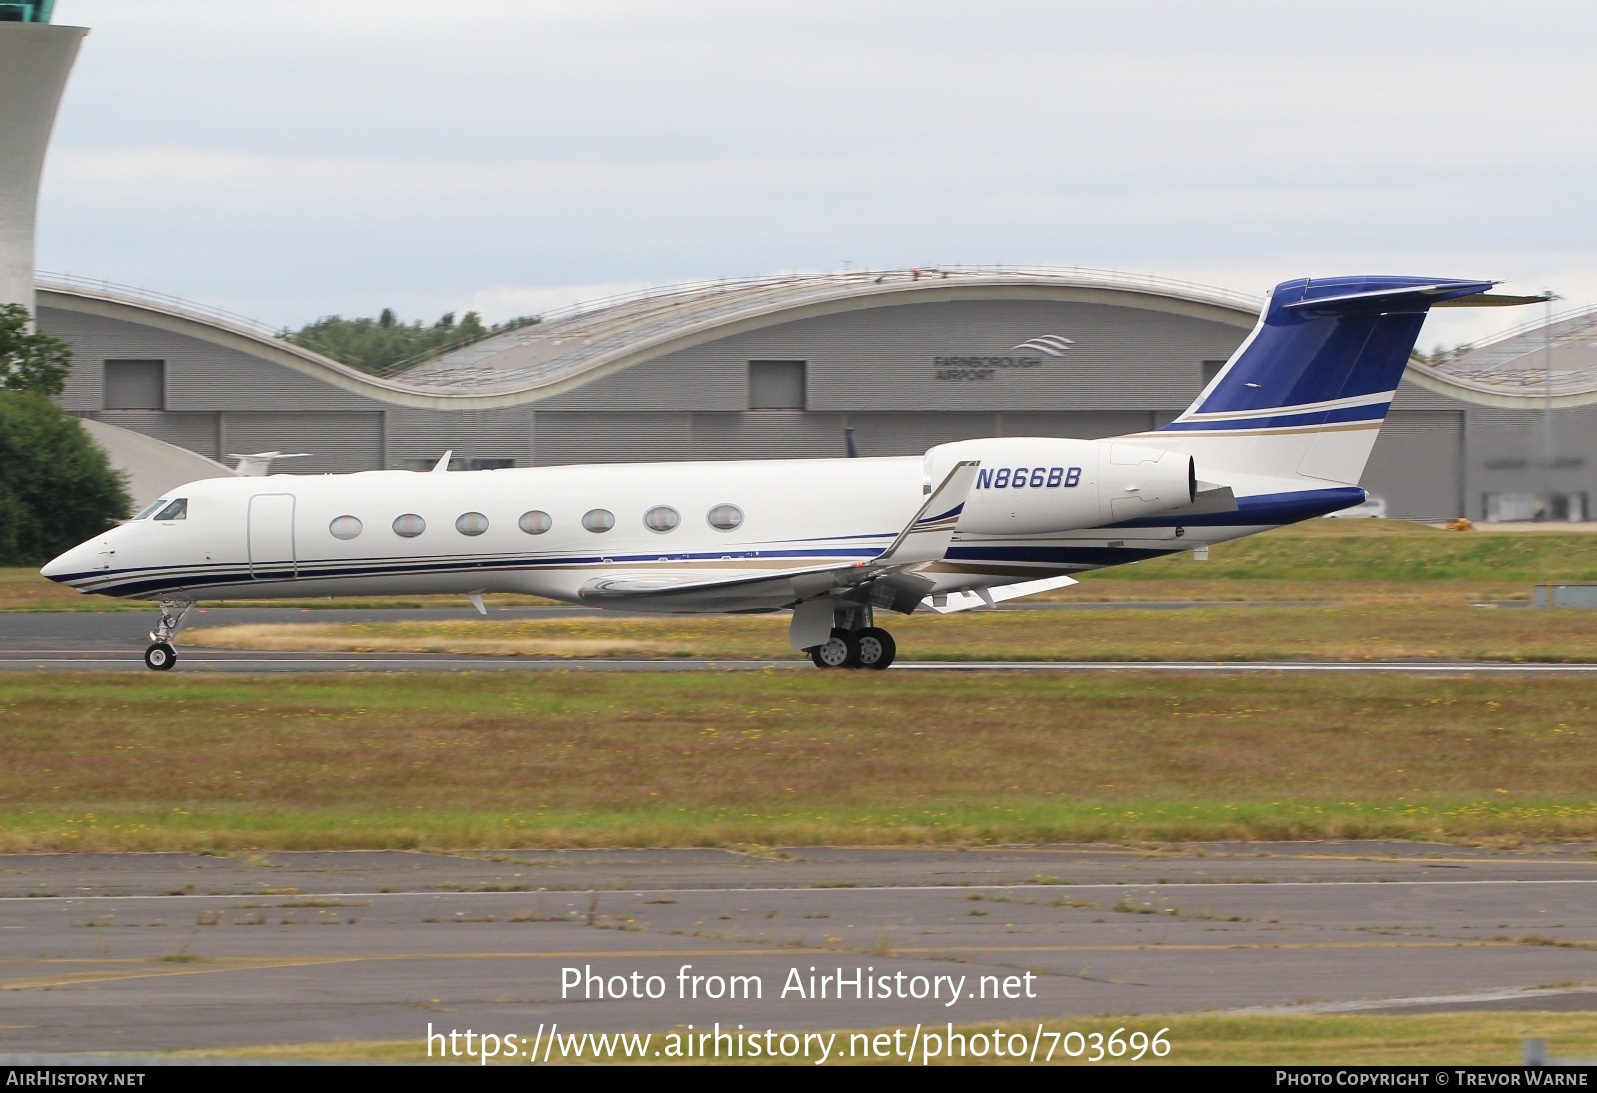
(1451, 1039)
(145, 762)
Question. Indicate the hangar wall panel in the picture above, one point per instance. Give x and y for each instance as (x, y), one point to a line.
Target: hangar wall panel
(1507, 454)
(1411, 396)
(912, 434)
(887, 359)
(564, 438)
(337, 442)
(873, 363)
(1077, 426)
(691, 380)
(471, 434)
(769, 435)
(1418, 465)
(196, 432)
(199, 375)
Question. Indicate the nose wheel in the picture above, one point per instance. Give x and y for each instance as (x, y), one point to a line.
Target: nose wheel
(160, 656)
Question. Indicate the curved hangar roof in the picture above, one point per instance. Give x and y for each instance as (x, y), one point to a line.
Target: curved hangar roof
(575, 345)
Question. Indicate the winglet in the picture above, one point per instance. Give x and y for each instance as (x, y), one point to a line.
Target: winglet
(442, 466)
(926, 538)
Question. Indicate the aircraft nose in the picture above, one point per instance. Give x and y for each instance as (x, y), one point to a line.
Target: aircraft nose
(76, 560)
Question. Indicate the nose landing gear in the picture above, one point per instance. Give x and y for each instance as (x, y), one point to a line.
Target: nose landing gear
(160, 656)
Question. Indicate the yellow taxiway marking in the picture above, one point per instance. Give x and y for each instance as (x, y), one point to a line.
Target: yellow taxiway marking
(206, 966)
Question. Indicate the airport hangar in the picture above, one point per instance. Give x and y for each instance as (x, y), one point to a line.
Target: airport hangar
(780, 367)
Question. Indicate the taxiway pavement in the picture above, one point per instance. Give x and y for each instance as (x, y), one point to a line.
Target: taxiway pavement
(151, 952)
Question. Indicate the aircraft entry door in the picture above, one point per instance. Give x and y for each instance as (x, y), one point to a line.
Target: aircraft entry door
(271, 534)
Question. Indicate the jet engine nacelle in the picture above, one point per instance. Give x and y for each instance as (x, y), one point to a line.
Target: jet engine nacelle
(1034, 485)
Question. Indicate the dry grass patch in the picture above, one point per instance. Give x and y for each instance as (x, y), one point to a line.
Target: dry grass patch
(1440, 1039)
(483, 760)
(1349, 631)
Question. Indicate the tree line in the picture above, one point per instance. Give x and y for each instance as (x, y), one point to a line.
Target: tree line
(384, 344)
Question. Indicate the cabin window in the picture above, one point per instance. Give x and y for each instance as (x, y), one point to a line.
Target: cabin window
(177, 510)
(661, 518)
(535, 522)
(471, 523)
(725, 517)
(151, 508)
(598, 520)
(344, 527)
(409, 525)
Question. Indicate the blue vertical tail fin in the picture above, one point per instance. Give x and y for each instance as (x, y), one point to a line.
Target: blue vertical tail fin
(1306, 392)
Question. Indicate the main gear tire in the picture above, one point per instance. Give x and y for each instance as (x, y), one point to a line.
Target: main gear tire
(841, 650)
(876, 648)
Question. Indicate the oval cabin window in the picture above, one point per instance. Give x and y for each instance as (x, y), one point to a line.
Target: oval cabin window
(471, 523)
(661, 518)
(409, 525)
(725, 517)
(535, 522)
(598, 519)
(345, 527)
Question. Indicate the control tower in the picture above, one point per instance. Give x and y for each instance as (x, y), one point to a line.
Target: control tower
(35, 58)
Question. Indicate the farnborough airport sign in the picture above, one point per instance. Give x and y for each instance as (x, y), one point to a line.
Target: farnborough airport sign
(983, 369)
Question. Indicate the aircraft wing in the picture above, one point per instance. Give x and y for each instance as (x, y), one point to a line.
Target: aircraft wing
(890, 574)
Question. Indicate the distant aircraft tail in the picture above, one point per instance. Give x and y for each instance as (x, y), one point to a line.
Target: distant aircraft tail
(1305, 395)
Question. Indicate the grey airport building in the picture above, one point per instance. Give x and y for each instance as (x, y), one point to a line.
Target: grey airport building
(805, 365)
(800, 366)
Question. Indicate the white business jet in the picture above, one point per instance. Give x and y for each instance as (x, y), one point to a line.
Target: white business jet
(1281, 434)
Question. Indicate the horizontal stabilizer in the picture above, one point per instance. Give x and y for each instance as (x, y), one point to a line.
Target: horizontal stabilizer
(1491, 299)
(1371, 295)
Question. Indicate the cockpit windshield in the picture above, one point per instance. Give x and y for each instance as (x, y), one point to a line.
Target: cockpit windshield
(176, 510)
(152, 508)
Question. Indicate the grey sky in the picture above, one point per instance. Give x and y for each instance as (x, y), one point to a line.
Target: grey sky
(288, 159)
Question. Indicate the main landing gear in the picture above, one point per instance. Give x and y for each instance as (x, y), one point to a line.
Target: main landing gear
(160, 656)
(859, 646)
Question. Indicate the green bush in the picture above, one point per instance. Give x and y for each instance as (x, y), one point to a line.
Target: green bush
(56, 486)
(30, 361)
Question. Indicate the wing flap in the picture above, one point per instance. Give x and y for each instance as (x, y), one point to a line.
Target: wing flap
(964, 601)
